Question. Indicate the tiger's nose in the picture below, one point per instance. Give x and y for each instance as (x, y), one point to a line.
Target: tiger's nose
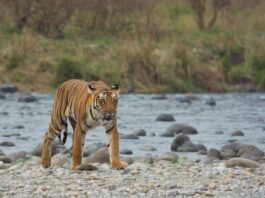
(107, 116)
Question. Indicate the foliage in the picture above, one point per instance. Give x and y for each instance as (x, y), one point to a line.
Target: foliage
(155, 46)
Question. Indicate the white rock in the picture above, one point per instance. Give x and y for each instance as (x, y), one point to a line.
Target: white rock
(59, 160)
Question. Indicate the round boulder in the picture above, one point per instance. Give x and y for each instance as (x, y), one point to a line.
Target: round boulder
(140, 132)
(188, 147)
(201, 147)
(182, 128)
(86, 167)
(56, 147)
(129, 137)
(100, 156)
(169, 156)
(214, 153)
(92, 148)
(8, 88)
(59, 160)
(227, 154)
(165, 118)
(27, 97)
(188, 98)
(16, 156)
(167, 134)
(250, 152)
(7, 143)
(211, 102)
(178, 141)
(241, 162)
(232, 146)
(126, 152)
(5, 159)
(237, 133)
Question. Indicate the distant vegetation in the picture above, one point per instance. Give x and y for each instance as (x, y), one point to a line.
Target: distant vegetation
(150, 45)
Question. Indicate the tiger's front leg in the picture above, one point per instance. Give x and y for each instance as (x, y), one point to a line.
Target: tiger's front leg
(113, 144)
(78, 142)
(46, 151)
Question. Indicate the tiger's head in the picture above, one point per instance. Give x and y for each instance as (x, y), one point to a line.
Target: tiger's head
(105, 103)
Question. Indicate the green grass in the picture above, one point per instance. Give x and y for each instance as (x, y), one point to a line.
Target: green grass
(170, 54)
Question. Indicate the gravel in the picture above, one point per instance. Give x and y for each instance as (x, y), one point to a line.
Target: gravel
(181, 178)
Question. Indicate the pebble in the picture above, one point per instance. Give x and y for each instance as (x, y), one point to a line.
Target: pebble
(147, 148)
(160, 179)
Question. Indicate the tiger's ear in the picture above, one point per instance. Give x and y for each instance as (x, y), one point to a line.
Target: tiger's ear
(91, 89)
(115, 87)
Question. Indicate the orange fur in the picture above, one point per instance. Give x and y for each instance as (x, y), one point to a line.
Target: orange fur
(79, 100)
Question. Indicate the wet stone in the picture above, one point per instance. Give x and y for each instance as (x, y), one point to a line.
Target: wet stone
(159, 97)
(2, 96)
(167, 134)
(211, 102)
(182, 128)
(214, 153)
(27, 97)
(147, 148)
(140, 132)
(7, 143)
(165, 118)
(8, 88)
(126, 152)
(129, 137)
(237, 133)
(86, 167)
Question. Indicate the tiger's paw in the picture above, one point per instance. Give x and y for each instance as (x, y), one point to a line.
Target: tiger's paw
(46, 163)
(119, 165)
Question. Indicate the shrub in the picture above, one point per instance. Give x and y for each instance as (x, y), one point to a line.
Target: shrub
(68, 68)
(239, 74)
(258, 64)
(13, 60)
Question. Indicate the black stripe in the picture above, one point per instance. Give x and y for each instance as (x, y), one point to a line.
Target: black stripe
(88, 126)
(91, 114)
(110, 129)
(50, 139)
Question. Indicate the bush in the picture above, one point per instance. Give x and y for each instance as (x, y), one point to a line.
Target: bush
(258, 64)
(13, 60)
(68, 68)
(239, 74)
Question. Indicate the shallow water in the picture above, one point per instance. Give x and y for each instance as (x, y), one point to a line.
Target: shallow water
(234, 111)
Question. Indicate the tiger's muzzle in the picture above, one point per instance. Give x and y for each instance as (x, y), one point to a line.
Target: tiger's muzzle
(107, 117)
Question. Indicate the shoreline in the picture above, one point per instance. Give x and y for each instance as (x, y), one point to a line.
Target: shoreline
(181, 178)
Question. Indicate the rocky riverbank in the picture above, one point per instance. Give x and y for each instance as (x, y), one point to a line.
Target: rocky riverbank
(142, 178)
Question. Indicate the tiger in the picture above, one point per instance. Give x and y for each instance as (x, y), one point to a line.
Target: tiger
(86, 105)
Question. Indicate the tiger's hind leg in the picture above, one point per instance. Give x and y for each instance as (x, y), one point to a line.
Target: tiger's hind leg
(50, 135)
(73, 124)
(46, 150)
